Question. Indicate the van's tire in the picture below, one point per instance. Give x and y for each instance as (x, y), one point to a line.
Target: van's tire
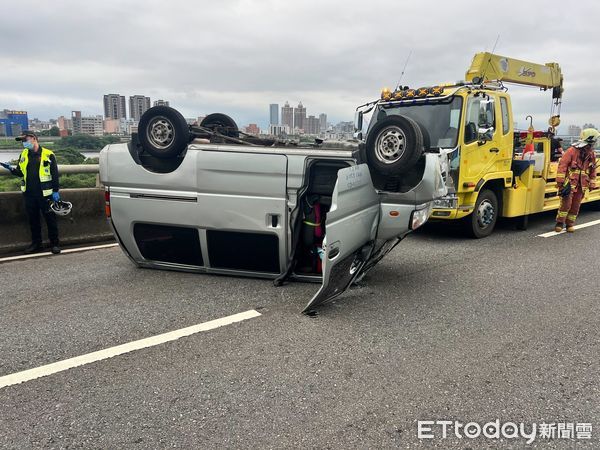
(163, 132)
(481, 222)
(221, 123)
(394, 145)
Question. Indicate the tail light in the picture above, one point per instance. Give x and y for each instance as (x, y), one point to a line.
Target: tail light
(107, 202)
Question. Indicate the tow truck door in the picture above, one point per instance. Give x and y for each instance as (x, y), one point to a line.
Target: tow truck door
(350, 232)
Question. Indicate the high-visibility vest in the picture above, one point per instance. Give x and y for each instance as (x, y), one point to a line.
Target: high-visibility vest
(44, 173)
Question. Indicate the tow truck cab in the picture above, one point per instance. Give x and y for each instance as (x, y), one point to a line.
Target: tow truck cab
(487, 176)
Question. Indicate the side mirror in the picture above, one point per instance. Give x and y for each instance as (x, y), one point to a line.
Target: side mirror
(358, 121)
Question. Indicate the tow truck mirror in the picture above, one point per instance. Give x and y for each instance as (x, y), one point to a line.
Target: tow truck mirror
(358, 125)
(486, 121)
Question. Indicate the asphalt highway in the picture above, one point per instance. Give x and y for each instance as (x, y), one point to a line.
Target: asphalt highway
(444, 328)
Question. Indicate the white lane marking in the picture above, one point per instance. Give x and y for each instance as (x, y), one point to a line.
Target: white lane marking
(70, 250)
(577, 227)
(60, 366)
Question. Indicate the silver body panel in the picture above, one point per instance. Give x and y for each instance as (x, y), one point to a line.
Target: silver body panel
(256, 190)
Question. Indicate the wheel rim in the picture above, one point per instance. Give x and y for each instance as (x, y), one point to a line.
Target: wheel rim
(485, 214)
(390, 145)
(160, 132)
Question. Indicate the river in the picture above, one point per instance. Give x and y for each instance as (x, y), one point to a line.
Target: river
(9, 155)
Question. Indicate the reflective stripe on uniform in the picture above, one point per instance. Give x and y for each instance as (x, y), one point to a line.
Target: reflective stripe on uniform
(563, 213)
(44, 173)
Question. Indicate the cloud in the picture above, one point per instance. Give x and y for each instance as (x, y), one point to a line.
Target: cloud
(238, 56)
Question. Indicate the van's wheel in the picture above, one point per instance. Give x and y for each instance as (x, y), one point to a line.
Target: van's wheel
(482, 221)
(221, 123)
(394, 145)
(163, 132)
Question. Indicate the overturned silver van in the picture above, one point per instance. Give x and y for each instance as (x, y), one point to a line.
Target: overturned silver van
(211, 199)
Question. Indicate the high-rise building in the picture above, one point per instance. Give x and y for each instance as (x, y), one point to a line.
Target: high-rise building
(160, 103)
(92, 125)
(299, 116)
(323, 122)
(64, 123)
(13, 122)
(312, 125)
(287, 116)
(273, 114)
(574, 130)
(114, 106)
(138, 105)
(279, 130)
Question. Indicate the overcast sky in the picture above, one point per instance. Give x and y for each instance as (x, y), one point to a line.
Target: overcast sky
(238, 56)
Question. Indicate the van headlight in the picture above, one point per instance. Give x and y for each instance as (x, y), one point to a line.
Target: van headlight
(420, 216)
(447, 202)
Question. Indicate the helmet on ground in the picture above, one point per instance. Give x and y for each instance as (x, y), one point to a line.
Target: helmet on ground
(61, 208)
(589, 136)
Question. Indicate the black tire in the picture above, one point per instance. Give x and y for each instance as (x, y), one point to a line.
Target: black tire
(221, 123)
(163, 132)
(394, 145)
(481, 222)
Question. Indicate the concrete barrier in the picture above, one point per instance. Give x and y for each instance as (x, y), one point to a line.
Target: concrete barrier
(86, 223)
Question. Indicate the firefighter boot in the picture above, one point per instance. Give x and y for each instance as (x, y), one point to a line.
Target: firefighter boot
(570, 229)
(559, 227)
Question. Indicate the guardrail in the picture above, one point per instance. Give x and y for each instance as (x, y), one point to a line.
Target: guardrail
(86, 224)
(68, 169)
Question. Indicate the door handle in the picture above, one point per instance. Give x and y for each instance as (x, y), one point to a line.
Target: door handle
(494, 150)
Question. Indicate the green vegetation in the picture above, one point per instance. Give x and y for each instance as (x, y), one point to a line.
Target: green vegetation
(68, 151)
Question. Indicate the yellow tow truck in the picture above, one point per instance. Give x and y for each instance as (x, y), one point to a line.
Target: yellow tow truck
(472, 122)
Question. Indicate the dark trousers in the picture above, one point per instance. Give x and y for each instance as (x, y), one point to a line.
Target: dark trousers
(34, 206)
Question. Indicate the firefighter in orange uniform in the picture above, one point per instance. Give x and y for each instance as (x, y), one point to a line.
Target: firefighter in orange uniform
(576, 174)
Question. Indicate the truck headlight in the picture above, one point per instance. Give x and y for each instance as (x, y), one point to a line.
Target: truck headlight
(420, 216)
(447, 202)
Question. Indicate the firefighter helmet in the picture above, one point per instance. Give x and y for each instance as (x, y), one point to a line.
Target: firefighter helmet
(589, 136)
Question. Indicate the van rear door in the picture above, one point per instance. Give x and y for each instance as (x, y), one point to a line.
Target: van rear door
(350, 232)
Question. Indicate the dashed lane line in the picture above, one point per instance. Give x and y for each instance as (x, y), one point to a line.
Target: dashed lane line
(60, 366)
(70, 250)
(577, 227)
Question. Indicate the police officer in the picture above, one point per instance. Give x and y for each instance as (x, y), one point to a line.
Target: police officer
(576, 174)
(39, 172)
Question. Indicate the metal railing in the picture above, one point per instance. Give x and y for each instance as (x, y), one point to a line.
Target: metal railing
(69, 169)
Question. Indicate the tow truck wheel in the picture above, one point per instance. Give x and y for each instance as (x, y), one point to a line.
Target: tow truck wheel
(394, 145)
(163, 132)
(482, 221)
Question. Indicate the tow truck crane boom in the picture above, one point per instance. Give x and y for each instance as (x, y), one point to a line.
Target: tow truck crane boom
(488, 67)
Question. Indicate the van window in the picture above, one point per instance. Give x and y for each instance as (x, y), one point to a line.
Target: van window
(257, 252)
(505, 118)
(165, 243)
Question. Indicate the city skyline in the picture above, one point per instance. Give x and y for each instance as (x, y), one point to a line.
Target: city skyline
(347, 70)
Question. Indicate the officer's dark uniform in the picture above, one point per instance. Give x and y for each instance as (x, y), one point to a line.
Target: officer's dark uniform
(37, 193)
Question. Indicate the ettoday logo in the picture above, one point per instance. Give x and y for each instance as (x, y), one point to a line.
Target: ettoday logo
(442, 429)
